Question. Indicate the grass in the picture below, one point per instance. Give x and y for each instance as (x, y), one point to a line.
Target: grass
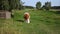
(42, 22)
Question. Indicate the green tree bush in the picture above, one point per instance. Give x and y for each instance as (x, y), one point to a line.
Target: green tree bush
(10, 4)
(47, 5)
(38, 5)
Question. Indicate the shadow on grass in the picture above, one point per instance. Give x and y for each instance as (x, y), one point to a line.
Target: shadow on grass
(56, 12)
(20, 20)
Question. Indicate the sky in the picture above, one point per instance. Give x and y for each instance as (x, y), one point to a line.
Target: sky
(33, 2)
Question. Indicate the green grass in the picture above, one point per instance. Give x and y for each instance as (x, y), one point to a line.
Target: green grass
(42, 22)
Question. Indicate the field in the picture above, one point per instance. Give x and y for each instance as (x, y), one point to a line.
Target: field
(42, 22)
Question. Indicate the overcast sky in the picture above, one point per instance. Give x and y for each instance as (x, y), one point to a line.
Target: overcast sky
(33, 2)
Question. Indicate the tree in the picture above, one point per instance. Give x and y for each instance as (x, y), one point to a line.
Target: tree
(38, 5)
(0, 4)
(10, 4)
(4, 5)
(14, 4)
(47, 5)
(21, 5)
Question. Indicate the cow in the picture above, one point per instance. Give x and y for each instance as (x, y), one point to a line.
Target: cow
(27, 17)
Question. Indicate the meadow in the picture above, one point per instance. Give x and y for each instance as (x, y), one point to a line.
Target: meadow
(42, 22)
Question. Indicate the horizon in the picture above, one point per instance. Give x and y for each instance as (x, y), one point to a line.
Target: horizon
(33, 2)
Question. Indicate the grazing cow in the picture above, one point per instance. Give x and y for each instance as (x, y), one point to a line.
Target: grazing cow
(27, 17)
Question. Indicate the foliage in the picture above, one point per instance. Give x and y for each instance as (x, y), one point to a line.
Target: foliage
(10, 4)
(4, 5)
(38, 5)
(47, 5)
(14, 4)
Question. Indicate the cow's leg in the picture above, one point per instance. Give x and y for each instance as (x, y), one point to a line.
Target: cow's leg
(28, 20)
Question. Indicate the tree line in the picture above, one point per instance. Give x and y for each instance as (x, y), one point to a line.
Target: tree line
(18, 4)
(10, 4)
(47, 5)
(55, 7)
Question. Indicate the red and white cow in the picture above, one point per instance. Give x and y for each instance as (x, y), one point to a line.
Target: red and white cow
(27, 17)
